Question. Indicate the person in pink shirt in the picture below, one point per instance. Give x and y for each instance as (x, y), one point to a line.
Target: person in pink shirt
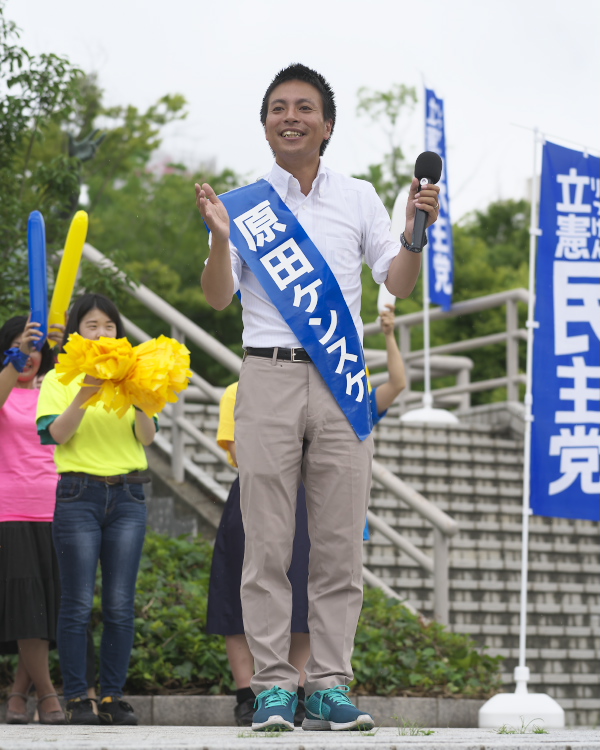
(29, 582)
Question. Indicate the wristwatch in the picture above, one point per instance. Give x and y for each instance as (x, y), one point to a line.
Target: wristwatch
(412, 248)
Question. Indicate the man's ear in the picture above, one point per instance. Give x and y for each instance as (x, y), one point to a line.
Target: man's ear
(328, 129)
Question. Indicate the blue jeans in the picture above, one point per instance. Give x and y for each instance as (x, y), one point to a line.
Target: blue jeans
(96, 521)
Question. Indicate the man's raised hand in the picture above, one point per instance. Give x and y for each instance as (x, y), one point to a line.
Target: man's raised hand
(213, 211)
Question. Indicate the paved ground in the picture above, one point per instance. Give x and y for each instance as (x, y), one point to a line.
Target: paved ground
(35, 737)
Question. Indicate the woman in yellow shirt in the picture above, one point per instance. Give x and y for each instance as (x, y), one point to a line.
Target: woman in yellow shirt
(100, 516)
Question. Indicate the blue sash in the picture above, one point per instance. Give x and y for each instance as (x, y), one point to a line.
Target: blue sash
(303, 288)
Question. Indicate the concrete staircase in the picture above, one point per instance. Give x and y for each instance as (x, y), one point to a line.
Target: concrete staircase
(476, 477)
(473, 472)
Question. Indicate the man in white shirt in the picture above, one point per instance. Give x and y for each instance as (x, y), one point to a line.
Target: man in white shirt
(288, 425)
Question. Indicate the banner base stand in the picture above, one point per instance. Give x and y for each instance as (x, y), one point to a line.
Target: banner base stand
(430, 415)
(521, 711)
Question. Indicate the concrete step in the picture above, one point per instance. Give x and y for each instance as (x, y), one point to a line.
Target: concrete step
(546, 549)
(389, 737)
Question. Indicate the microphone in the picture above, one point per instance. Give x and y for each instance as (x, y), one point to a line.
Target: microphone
(428, 170)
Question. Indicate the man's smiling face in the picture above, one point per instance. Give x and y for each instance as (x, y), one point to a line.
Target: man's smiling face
(295, 127)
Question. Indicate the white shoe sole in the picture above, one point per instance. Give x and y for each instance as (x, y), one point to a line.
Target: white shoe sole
(363, 722)
(273, 723)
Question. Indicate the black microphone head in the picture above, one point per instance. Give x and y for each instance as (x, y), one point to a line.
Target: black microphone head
(428, 165)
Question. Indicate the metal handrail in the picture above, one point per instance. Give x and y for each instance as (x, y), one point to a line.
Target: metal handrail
(203, 477)
(510, 337)
(443, 526)
(168, 313)
(465, 307)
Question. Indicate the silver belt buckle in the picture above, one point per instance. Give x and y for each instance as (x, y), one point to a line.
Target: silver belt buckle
(293, 355)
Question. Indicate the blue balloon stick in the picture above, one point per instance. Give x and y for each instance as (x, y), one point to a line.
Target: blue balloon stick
(38, 279)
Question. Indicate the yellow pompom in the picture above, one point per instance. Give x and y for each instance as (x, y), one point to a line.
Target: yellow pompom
(107, 359)
(160, 372)
(149, 375)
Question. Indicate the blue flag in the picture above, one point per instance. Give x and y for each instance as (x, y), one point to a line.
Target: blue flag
(441, 252)
(303, 288)
(565, 435)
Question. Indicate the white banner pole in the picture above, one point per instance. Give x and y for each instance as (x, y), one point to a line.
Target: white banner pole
(522, 671)
(523, 707)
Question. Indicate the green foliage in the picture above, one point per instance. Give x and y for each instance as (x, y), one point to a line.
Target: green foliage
(396, 654)
(131, 139)
(387, 108)
(146, 221)
(171, 649)
(408, 728)
(491, 254)
(152, 220)
(39, 94)
(523, 729)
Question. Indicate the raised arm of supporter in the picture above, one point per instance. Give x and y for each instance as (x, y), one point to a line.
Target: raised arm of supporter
(65, 426)
(386, 393)
(404, 270)
(217, 279)
(9, 374)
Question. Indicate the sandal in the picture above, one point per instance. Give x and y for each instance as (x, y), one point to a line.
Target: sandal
(16, 717)
(50, 717)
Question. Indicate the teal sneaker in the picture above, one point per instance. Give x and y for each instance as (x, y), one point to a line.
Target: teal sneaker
(275, 709)
(332, 709)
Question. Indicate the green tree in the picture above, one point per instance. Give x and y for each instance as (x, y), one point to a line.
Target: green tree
(48, 106)
(38, 94)
(490, 248)
(145, 219)
(151, 221)
(388, 109)
(491, 254)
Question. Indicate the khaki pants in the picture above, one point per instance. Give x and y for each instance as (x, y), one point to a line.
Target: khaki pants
(288, 428)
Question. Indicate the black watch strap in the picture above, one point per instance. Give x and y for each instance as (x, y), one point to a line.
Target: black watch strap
(412, 248)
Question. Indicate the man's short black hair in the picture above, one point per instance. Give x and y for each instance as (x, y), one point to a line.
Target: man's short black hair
(299, 72)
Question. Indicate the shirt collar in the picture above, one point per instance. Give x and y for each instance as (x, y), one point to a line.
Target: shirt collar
(283, 181)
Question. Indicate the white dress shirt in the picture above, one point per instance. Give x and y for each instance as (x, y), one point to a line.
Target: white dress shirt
(348, 223)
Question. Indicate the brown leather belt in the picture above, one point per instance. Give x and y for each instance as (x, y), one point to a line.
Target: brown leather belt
(134, 477)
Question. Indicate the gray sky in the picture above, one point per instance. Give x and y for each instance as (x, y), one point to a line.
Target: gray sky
(533, 63)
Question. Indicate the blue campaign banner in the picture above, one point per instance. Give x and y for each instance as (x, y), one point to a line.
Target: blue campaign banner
(303, 288)
(441, 245)
(565, 435)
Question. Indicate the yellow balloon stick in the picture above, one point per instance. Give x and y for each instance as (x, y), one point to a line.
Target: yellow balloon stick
(67, 273)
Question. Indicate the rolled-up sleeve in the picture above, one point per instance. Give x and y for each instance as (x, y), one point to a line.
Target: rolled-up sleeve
(380, 247)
